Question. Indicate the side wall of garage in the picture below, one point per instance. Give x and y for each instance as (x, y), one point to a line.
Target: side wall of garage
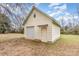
(55, 33)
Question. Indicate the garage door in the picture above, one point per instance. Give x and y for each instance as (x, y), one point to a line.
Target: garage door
(30, 32)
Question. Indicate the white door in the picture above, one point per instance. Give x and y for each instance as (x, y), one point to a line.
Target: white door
(44, 34)
(30, 32)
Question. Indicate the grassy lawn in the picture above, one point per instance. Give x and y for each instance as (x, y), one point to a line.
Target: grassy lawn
(4, 37)
(66, 45)
(70, 39)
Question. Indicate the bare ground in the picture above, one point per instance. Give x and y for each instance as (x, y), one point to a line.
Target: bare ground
(20, 46)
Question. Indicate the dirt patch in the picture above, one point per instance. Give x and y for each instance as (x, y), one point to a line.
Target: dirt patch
(16, 45)
(24, 47)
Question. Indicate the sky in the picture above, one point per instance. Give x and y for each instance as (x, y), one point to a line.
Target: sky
(57, 10)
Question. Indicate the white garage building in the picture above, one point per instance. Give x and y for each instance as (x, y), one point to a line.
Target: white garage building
(39, 25)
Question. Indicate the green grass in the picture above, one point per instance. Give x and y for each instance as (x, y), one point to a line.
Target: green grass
(69, 39)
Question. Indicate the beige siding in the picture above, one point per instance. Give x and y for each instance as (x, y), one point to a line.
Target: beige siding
(55, 32)
(40, 20)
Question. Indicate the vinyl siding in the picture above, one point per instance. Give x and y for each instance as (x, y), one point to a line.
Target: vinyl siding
(55, 32)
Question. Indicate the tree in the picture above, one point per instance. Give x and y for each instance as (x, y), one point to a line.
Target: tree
(17, 13)
(4, 23)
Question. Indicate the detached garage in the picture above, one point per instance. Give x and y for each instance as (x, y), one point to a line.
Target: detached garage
(39, 25)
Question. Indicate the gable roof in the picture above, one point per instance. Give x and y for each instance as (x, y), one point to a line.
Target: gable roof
(53, 20)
